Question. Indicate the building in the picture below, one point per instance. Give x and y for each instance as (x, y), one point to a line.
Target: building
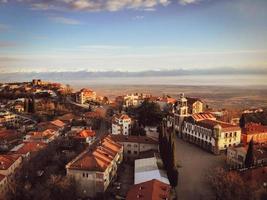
(56, 125)
(180, 111)
(134, 146)
(236, 156)
(8, 139)
(121, 124)
(7, 118)
(135, 99)
(149, 168)
(256, 131)
(195, 105)
(93, 170)
(45, 136)
(207, 132)
(149, 190)
(85, 95)
(85, 135)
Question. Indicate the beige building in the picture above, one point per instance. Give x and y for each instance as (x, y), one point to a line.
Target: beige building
(9, 163)
(204, 130)
(95, 169)
(121, 124)
(133, 146)
(195, 105)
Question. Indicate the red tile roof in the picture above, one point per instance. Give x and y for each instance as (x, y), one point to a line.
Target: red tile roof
(253, 128)
(30, 147)
(8, 134)
(150, 190)
(203, 116)
(208, 123)
(7, 160)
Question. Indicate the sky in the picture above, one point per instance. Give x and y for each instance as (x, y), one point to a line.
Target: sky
(132, 35)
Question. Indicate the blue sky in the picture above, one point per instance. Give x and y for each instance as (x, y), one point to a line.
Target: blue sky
(131, 35)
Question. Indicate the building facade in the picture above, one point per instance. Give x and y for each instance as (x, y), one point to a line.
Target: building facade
(121, 124)
(85, 95)
(209, 133)
(134, 146)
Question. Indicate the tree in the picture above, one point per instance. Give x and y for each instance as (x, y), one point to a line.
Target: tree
(249, 161)
(229, 185)
(173, 172)
(149, 114)
(137, 130)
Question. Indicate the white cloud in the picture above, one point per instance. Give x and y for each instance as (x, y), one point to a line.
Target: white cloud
(94, 5)
(64, 20)
(185, 2)
(138, 17)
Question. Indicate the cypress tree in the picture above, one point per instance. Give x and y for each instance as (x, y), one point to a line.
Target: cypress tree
(249, 161)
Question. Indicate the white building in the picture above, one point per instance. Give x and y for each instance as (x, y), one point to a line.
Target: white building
(135, 99)
(121, 124)
(148, 169)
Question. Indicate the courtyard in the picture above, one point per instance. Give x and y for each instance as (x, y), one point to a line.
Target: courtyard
(196, 164)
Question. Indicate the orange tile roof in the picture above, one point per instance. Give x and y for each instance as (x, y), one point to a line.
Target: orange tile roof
(150, 190)
(58, 123)
(122, 116)
(7, 160)
(86, 133)
(98, 159)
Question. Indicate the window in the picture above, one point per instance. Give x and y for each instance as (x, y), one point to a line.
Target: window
(129, 151)
(135, 152)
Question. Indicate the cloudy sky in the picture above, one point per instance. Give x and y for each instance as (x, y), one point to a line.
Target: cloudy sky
(131, 35)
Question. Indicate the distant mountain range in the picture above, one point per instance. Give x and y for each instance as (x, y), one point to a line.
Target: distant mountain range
(85, 75)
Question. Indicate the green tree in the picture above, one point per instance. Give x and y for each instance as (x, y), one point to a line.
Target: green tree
(149, 114)
(249, 160)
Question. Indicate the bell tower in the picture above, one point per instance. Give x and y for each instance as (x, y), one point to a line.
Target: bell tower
(180, 112)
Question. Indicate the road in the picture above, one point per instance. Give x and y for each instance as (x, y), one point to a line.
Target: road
(196, 164)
